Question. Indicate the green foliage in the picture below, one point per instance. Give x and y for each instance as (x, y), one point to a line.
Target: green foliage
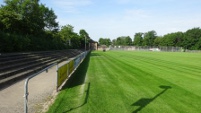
(123, 40)
(72, 39)
(75, 41)
(104, 41)
(83, 35)
(66, 33)
(10, 42)
(49, 18)
(158, 40)
(138, 39)
(9, 21)
(18, 43)
(26, 17)
(172, 39)
(192, 39)
(149, 38)
(26, 25)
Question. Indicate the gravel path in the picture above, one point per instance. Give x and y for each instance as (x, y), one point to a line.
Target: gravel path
(41, 90)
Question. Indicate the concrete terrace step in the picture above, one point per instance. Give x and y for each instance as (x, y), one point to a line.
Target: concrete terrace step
(22, 63)
(13, 79)
(23, 68)
(14, 67)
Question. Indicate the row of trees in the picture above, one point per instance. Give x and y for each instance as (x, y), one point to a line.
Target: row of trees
(191, 39)
(27, 25)
(72, 39)
(105, 41)
(123, 40)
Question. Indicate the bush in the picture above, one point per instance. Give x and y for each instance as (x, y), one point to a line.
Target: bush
(18, 43)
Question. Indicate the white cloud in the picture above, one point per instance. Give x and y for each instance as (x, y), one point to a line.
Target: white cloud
(70, 6)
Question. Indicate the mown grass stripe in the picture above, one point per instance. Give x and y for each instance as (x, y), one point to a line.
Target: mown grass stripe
(110, 83)
(168, 72)
(126, 82)
(114, 66)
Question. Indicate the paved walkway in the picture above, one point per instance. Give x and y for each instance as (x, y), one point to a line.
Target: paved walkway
(41, 89)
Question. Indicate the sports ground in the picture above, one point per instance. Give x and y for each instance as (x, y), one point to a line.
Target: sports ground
(133, 82)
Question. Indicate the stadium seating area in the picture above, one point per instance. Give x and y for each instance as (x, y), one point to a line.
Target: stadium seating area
(17, 66)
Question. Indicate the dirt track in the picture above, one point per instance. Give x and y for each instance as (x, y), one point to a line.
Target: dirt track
(41, 89)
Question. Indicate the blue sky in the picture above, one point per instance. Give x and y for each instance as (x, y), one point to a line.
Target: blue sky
(114, 18)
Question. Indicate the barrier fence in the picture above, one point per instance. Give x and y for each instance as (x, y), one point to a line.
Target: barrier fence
(148, 48)
(66, 70)
(26, 93)
(63, 73)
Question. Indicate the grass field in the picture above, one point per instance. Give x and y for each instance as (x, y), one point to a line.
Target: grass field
(131, 82)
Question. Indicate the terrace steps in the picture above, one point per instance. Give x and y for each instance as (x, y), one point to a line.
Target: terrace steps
(17, 66)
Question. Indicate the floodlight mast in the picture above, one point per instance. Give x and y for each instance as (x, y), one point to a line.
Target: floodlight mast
(85, 42)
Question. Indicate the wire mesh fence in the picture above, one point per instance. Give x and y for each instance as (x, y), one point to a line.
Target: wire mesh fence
(147, 48)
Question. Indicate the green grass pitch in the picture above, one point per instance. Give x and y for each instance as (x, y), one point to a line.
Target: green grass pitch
(133, 82)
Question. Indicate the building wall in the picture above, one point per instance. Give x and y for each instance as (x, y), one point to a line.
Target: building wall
(94, 46)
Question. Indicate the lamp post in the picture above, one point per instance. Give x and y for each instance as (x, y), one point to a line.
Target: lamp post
(85, 42)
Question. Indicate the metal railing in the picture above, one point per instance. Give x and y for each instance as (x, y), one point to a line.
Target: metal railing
(26, 93)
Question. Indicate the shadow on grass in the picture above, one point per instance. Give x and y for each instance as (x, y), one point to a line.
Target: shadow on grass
(143, 102)
(85, 100)
(94, 55)
(78, 77)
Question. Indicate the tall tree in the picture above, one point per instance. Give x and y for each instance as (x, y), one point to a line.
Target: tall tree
(26, 17)
(101, 41)
(149, 38)
(83, 33)
(10, 16)
(114, 42)
(119, 41)
(67, 33)
(157, 41)
(105, 41)
(172, 39)
(84, 38)
(179, 38)
(49, 18)
(128, 41)
(192, 39)
(138, 38)
(124, 40)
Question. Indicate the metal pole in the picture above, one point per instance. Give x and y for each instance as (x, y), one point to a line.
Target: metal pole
(57, 67)
(26, 96)
(85, 42)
